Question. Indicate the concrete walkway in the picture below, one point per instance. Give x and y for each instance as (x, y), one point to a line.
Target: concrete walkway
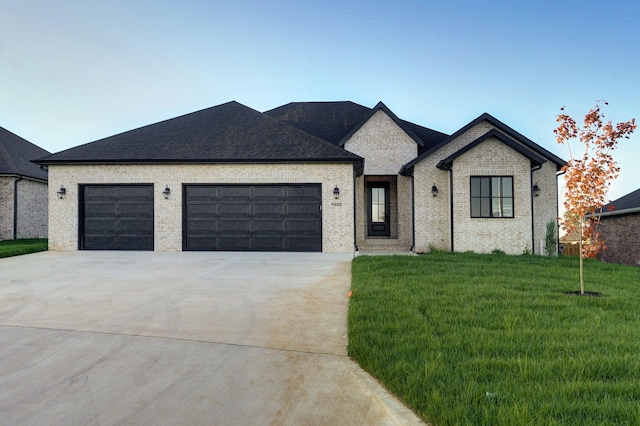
(182, 338)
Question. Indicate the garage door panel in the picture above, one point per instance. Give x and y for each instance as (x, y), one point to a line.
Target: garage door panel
(100, 209)
(305, 209)
(135, 242)
(312, 192)
(266, 225)
(116, 217)
(277, 217)
(230, 225)
(231, 244)
(271, 208)
(100, 192)
(268, 243)
(234, 208)
(101, 225)
(303, 243)
(127, 209)
(135, 226)
(99, 242)
(300, 226)
(202, 209)
(268, 192)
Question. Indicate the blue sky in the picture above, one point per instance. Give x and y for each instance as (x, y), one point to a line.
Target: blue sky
(75, 71)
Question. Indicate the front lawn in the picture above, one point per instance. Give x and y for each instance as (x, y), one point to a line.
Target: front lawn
(493, 340)
(17, 247)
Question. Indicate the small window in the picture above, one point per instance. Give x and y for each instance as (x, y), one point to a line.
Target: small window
(492, 196)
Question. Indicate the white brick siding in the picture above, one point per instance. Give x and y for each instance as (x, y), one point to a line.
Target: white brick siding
(493, 158)
(385, 148)
(337, 215)
(383, 144)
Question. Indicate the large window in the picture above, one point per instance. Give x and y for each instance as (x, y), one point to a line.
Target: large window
(492, 196)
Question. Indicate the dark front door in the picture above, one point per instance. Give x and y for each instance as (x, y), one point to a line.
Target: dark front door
(378, 209)
(253, 217)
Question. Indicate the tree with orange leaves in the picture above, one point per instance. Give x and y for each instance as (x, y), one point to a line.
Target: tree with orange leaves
(588, 176)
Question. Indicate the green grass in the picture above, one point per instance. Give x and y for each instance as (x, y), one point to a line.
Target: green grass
(467, 339)
(17, 247)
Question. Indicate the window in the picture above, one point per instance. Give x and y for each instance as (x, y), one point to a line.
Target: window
(492, 196)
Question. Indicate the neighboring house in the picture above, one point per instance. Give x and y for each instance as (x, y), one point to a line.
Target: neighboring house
(570, 243)
(307, 176)
(620, 228)
(23, 189)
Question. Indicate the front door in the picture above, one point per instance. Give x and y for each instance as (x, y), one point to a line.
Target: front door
(378, 209)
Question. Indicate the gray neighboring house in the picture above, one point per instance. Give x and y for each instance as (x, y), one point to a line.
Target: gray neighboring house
(334, 177)
(23, 189)
(620, 229)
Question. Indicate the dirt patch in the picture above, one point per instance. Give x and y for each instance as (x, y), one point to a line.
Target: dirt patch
(586, 293)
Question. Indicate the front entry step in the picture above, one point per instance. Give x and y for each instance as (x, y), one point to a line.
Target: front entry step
(383, 246)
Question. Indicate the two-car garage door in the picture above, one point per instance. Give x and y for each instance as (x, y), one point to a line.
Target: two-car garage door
(252, 217)
(215, 217)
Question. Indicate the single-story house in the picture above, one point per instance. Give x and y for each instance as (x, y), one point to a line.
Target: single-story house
(306, 176)
(619, 225)
(23, 189)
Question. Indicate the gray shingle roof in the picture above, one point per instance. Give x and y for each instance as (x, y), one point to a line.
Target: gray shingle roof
(230, 132)
(336, 121)
(629, 201)
(16, 154)
(330, 121)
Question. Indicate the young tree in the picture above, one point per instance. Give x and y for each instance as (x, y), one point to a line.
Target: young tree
(588, 176)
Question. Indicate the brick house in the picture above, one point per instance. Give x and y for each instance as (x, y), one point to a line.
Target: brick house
(23, 189)
(306, 176)
(619, 229)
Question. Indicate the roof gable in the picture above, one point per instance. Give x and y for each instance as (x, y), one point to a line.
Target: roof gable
(559, 162)
(230, 132)
(16, 154)
(532, 156)
(382, 107)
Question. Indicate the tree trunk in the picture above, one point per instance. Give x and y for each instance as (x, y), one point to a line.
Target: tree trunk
(581, 257)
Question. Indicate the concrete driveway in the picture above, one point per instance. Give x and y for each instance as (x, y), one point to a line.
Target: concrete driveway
(182, 338)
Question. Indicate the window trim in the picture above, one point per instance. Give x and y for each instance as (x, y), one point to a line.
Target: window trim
(491, 197)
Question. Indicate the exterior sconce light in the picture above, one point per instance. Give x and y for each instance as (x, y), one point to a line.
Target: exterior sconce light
(166, 193)
(434, 190)
(336, 192)
(62, 192)
(536, 189)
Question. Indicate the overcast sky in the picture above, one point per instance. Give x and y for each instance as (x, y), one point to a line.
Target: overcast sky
(75, 71)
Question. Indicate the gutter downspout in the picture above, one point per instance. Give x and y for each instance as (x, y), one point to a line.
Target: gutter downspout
(15, 206)
(355, 213)
(413, 215)
(451, 204)
(533, 235)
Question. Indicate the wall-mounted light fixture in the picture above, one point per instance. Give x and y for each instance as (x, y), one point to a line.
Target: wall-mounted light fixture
(166, 192)
(536, 189)
(434, 190)
(62, 192)
(336, 192)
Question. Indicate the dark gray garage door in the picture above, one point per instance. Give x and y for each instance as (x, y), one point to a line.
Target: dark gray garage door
(116, 217)
(253, 217)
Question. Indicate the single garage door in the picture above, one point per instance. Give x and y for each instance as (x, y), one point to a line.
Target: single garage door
(253, 217)
(116, 217)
